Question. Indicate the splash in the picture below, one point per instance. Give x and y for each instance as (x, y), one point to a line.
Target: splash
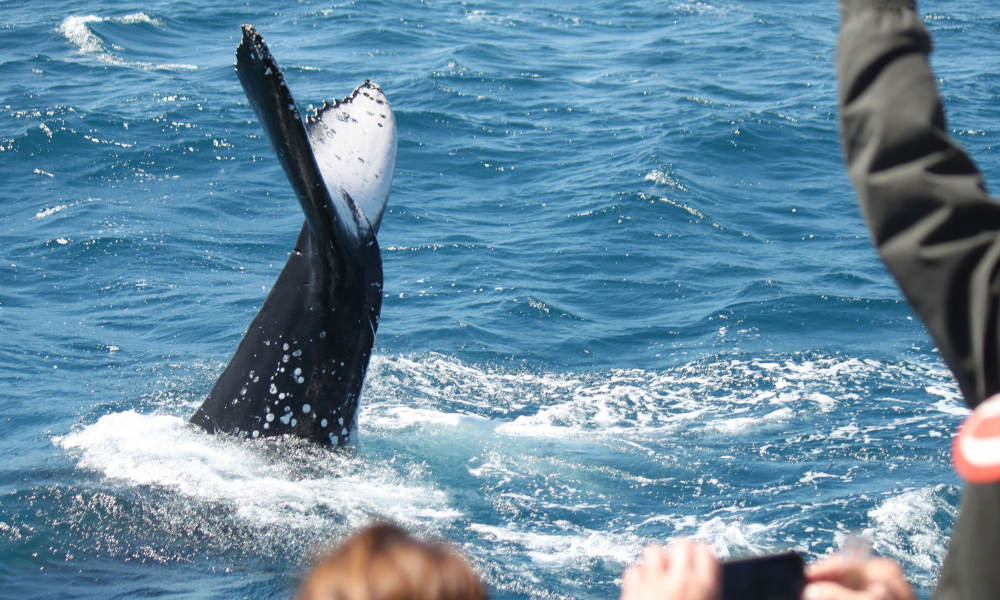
(908, 527)
(267, 484)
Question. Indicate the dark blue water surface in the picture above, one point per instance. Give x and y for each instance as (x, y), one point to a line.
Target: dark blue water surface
(629, 296)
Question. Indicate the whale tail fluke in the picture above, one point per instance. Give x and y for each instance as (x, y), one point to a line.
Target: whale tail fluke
(301, 364)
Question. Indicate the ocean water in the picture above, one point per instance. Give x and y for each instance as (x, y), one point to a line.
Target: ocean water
(628, 294)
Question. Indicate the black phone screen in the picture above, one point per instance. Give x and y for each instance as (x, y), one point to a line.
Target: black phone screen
(772, 577)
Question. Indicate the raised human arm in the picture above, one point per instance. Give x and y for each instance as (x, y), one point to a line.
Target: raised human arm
(933, 223)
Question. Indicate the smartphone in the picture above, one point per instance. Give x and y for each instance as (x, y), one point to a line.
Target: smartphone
(771, 577)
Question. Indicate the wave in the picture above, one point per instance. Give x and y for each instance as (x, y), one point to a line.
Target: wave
(78, 31)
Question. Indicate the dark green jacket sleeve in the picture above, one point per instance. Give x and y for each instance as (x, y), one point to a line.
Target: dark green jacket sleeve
(971, 570)
(935, 227)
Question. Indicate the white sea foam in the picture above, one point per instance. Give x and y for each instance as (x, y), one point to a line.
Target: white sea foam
(478, 16)
(729, 538)
(814, 476)
(906, 527)
(950, 399)
(566, 548)
(74, 29)
(47, 212)
(824, 402)
(77, 31)
(403, 417)
(727, 396)
(730, 424)
(664, 178)
(297, 489)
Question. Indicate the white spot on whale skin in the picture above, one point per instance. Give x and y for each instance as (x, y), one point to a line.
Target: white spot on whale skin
(269, 417)
(306, 408)
(274, 389)
(281, 396)
(343, 431)
(256, 433)
(294, 422)
(267, 425)
(285, 347)
(285, 358)
(340, 421)
(285, 419)
(298, 371)
(322, 423)
(297, 353)
(300, 380)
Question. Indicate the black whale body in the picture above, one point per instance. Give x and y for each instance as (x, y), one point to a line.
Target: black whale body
(300, 366)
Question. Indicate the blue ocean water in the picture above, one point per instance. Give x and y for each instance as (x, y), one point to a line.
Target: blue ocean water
(629, 296)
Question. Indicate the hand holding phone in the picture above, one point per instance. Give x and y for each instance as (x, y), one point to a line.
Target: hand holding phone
(688, 570)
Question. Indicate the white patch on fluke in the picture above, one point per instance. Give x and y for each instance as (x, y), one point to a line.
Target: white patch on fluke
(354, 142)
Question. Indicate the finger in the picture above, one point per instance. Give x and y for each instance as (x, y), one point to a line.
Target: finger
(680, 554)
(828, 590)
(830, 568)
(676, 580)
(848, 573)
(887, 576)
(703, 560)
(653, 562)
(656, 556)
(631, 584)
(706, 572)
(651, 554)
(884, 569)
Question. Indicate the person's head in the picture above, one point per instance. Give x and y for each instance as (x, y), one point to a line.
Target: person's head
(383, 562)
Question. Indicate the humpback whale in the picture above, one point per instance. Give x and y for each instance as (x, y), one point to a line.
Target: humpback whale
(300, 366)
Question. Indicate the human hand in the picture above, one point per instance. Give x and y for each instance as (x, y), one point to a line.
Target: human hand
(686, 570)
(840, 578)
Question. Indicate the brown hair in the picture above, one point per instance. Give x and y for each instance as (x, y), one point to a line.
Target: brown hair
(383, 562)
